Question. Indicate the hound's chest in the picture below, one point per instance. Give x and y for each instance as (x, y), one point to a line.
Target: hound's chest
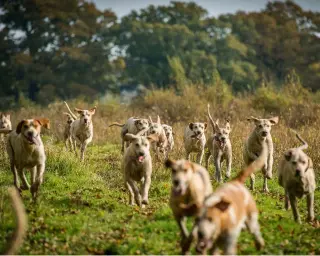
(83, 135)
(29, 160)
(178, 205)
(196, 144)
(137, 171)
(298, 188)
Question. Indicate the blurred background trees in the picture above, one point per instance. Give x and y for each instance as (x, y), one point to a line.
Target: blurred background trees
(55, 49)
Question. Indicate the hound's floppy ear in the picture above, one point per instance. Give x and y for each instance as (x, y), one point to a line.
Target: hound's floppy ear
(288, 155)
(310, 164)
(216, 126)
(153, 138)
(217, 201)
(205, 126)
(211, 200)
(158, 120)
(274, 120)
(163, 139)
(223, 205)
(93, 110)
(169, 163)
(19, 126)
(44, 122)
(129, 137)
(78, 110)
(228, 125)
(191, 126)
(136, 122)
(254, 119)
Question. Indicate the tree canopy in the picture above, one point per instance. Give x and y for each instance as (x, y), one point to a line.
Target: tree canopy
(54, 49)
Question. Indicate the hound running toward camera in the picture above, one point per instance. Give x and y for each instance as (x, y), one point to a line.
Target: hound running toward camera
(5, 123)
(169, 134)
(26, 151)
(137, 167)
(195, 140)
(219, 146)
(67, 133)
(133, 126)
(296, 176)
(81, 130)
(226, 211)
(190, 186)
(253, 147)
(161, 145)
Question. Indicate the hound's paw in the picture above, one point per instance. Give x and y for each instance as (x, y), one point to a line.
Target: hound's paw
(259, 244)
(24, 187)
(145, 201)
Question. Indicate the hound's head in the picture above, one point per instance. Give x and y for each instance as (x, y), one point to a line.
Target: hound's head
(5, 122)
(86, 115)
(182, 173)
(222, 133)
(30, 129)
(139, 145)
(198, 129)
(209, 221)
(155, 128)
(299, 162)
(263, 126)
(141, 124)
(168, 130)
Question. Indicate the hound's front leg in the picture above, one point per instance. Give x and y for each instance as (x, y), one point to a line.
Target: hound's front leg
(38, 181)
(83, 148)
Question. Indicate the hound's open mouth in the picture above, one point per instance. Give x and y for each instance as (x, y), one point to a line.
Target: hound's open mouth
(32, 140)
(221, 143)
(196, 136)
(202, 245)
(141, 159)
(177, 191)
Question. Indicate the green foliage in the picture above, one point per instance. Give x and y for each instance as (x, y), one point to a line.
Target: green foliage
(178, 74)
(66, 49)
(83, 207)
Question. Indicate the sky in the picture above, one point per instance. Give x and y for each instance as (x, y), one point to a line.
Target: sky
(214, 7)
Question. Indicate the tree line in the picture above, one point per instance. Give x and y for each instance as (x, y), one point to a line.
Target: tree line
(57, 49)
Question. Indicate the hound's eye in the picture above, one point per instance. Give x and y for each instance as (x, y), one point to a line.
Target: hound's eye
(25, 126)
(294, 162)
(209, 219)
(303, 162)
(146, 145)
(137, 144)
(260, 125)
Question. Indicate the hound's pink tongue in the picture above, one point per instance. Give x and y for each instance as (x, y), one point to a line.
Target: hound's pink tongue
(140, 159)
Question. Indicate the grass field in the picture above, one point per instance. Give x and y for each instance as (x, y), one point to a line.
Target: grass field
(82, 209)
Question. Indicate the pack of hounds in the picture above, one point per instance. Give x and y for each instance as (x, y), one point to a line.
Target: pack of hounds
(219, 216)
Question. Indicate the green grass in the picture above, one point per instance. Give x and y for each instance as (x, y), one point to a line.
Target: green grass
(82, 209)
